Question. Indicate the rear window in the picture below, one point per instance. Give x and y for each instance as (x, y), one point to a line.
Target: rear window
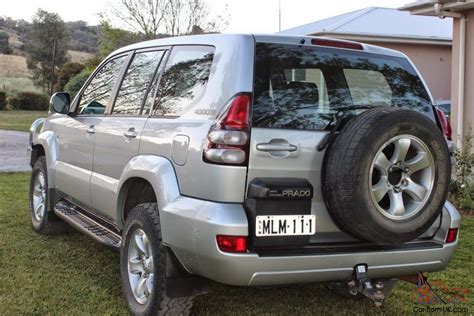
(302, 87)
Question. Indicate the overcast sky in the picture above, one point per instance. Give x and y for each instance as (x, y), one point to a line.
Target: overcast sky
(247, 16)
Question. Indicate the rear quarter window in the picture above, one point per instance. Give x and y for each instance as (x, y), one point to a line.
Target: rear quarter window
(184, 80)
(302, 87)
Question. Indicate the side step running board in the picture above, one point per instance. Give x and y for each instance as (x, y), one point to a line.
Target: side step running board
(86, 225)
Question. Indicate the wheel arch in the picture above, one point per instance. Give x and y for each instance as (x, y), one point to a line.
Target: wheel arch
(134, 191)
(45, 143)
(146, 171)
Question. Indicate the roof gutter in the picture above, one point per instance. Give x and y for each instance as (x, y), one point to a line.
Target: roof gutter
(368, 38)
(441, 13)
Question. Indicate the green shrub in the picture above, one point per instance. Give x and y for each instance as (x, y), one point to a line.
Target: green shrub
(76, 82)
(66, 72)
(30, 101)
(462, 194)
(3, 100)
(461, 189)
(464, 158)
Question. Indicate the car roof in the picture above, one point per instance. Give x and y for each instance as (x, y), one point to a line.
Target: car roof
(215, 39)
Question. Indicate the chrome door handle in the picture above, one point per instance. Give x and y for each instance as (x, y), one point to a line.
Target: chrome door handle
(130, 133)
(90, 130)
(269, 147)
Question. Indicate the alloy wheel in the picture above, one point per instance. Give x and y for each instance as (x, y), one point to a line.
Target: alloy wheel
(140, 266)
(39, 196)
(402, 177)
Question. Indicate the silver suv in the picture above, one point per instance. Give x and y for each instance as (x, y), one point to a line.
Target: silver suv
(249, 160)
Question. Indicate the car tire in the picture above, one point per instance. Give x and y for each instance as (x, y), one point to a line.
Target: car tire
(142, 257)
(386, 175)
(43, 220)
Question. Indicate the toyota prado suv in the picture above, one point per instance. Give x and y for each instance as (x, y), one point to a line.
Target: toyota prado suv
(249, 160)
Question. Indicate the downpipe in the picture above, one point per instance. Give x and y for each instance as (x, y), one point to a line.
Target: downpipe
(461, 83)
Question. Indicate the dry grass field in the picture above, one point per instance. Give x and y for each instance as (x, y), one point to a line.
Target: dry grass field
(80, 57)
(15, 76)
(13, 66)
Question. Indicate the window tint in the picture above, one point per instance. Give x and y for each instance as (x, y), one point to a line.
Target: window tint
(368, 87)
(184, 80)
(311, 75)
(301, 87)
(96, 95)
(150, 98)
(136, 82)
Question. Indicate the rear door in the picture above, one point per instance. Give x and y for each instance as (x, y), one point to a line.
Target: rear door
(118, 136)
(297, 92)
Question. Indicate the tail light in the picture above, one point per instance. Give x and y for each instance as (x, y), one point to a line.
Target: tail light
(232, 243)
(452, 235)
(445, 125)
(228, 138)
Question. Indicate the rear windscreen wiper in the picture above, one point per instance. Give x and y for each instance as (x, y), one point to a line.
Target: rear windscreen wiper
(352, 107)
(340, 115)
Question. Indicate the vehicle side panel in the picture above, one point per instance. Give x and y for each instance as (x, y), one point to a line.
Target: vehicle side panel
(231, 73)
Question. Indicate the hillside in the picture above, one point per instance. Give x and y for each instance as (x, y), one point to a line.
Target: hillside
(15, 76)
(83, 37)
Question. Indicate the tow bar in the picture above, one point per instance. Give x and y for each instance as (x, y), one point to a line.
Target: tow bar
(361, 283)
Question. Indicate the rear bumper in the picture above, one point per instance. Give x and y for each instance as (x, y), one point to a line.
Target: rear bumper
(252, 270)
(200, 221)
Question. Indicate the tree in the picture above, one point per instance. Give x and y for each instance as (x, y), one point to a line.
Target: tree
(84, 37)
(111, 38)
(4, 43)
(46, 48)
(66, 72)
(169, 17)
(75, 84)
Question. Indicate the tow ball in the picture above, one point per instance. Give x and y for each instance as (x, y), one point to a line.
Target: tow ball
(361, 283)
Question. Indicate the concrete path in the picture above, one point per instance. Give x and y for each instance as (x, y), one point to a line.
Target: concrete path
(13, 151)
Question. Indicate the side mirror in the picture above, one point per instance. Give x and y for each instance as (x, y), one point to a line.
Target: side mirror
(60, 102)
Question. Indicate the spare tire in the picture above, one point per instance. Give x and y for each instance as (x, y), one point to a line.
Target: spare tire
(386, 174)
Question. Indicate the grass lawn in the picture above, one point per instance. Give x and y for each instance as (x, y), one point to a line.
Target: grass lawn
(19, 120)
(72, 275)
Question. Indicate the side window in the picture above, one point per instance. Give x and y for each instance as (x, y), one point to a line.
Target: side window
(295, 77)
(96, 95)
(136, 83)
(368, 87)
(184, 80)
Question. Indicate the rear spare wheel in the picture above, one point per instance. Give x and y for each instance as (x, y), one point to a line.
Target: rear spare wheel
(386, 175)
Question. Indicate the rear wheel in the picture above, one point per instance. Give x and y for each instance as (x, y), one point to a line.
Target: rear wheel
(43, 219)
(142, 266)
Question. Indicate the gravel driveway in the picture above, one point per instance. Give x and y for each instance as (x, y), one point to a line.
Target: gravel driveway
(13, 154)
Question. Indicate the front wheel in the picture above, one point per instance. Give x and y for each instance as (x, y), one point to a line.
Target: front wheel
(142, 266)
(43, 220)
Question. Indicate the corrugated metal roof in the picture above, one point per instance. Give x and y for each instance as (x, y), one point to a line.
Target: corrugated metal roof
(382, 22)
